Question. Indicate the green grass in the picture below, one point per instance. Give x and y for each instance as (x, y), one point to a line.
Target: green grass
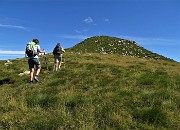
(92, 91)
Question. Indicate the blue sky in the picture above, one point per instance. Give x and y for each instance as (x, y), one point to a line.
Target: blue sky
(153, 24)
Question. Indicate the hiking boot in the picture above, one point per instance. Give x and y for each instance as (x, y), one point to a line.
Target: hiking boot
(30, 82)
(36, 78)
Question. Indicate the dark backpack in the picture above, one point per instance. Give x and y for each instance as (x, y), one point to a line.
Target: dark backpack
(57, 50)
(30, 52)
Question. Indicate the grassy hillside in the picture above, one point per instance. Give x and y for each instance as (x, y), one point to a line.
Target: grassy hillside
(114, 45)
(92, 91)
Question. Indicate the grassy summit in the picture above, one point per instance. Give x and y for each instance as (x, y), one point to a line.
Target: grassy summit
(113, 45)
(92, 91)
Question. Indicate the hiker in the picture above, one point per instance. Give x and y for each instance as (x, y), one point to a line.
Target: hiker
(57, 52)
(33, 59)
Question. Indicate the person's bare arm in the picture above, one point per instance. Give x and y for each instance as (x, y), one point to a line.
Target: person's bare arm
(41, 51)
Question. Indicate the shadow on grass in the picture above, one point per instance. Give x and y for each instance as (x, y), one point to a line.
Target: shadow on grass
(6, 81)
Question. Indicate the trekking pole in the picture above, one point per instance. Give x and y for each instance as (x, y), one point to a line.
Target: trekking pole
(64, 63)
(45, 59)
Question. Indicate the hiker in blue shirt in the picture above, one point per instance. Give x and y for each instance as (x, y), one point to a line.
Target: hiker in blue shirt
(57, 52)
(33, 59)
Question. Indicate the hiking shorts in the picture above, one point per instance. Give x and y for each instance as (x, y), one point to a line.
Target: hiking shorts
(33, 62)
(57, 58)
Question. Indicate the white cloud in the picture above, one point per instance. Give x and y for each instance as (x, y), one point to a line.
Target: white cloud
(81, 31)
(81, 37)
(88, 20)
(12, 52)
(107, 20)
(13, 26)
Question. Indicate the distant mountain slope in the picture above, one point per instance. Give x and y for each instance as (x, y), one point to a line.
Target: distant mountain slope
(113, 45)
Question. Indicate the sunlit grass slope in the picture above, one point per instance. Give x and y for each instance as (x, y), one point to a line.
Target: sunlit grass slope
(92, 91)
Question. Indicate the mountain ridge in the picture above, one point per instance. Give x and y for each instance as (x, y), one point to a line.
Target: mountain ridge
(114, 45)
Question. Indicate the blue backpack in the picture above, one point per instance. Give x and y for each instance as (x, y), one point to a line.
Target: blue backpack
(57, 50)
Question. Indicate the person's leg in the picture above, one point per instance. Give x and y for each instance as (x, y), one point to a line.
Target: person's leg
(60, 60)
(38, 70)
(31, 68)
(38, 66)
(31, 74)
(57, 64)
